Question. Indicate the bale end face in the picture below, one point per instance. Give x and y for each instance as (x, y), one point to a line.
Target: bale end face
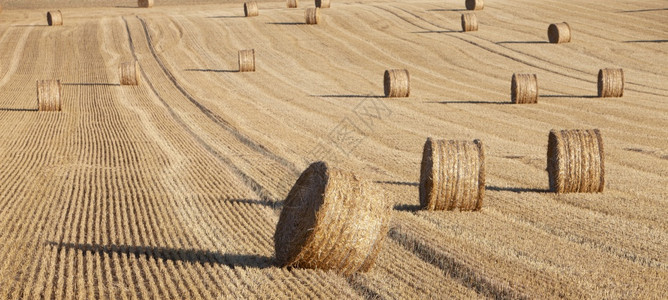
(322, 3)
(452, 175)
(247, 60)
(611, 83)
(558, 33)
(292, 3)
(251, 9)
(312, 15)
(145, 3)
(396, 83)
(54, 18)
(49, 95)
(129, 73)
(469, 22)
(474, 4)
(575, 161)
(331, 220)
(524, 89)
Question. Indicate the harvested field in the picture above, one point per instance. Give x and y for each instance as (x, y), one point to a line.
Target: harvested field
(173, 188)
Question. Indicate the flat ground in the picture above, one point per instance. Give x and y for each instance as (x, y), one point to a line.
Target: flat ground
(172, 189)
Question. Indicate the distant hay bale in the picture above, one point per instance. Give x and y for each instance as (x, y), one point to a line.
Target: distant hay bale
(247, 60)
(293, 3)
(0, 8)
(49, 95)
(469, 22)
(575, 161)
(452, 175)
(524, 89)
(129, 73)
(397, 83)
(474, 4)
(611, 83)
(322, 3)
(312, 15)
(332, 220)
(250, 9)
(145, 3)
(559, 33)
(54, 18)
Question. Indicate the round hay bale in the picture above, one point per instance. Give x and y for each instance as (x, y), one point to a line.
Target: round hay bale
(610, 83)
(469, 22)
(559, 33)
(452, 175)
(250, 9)
(129, 73)
(145, 3)
(247, 60)
(0, 8)
(474, 4)
(575, 161)
(332, 220)
(54, 18)
(293, 3)
(524, 88)
(48, 95)
(312, 15)
(397, 83)
(322, 3)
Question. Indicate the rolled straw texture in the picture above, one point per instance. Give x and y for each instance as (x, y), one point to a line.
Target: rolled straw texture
(293, 3)
(524, 88)
(611, 83)
(452, 175)
(322, 3)
(575, 161)
(247, 60)
(559, 33)
(250, 9)
(129, 73)
(469, 22)
(396, 83)
(49, 95)
(474, 4)
(312, 15)
(332, 220)
(145, 3)
(54, 18)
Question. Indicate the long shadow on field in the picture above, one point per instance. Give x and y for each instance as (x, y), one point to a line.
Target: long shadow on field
(522, 42)
(286, 23)
(225, 17)
(271, 204)
(516, 190)
(92, 84)
(647, 41)
(437, 31)
(446, 9)
(187, 255)
(407, 207)
(642, 10)
(399, 183)
(212, 70)
(18, 109)
(348, 96)
(568, 96)
(469, 102)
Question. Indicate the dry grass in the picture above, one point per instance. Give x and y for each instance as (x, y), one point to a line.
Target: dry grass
(524, 88)
(332, 220)
(558, 33)
(610, 83)
(49, 95)
(575, 161)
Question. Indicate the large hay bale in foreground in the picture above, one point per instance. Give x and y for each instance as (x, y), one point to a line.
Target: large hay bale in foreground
(250, 9)
(397, 83)
(559, 33)
(247, 60)
(54, 18)
(575, 161)
(312, 15)
(49, 95)
(469, 22)
(474, 4)
(322, 3)
(293, 3)
(524, 88)
(452, 175)
(145, 3)
(129, 73)
(611, 83)
(332, 220)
